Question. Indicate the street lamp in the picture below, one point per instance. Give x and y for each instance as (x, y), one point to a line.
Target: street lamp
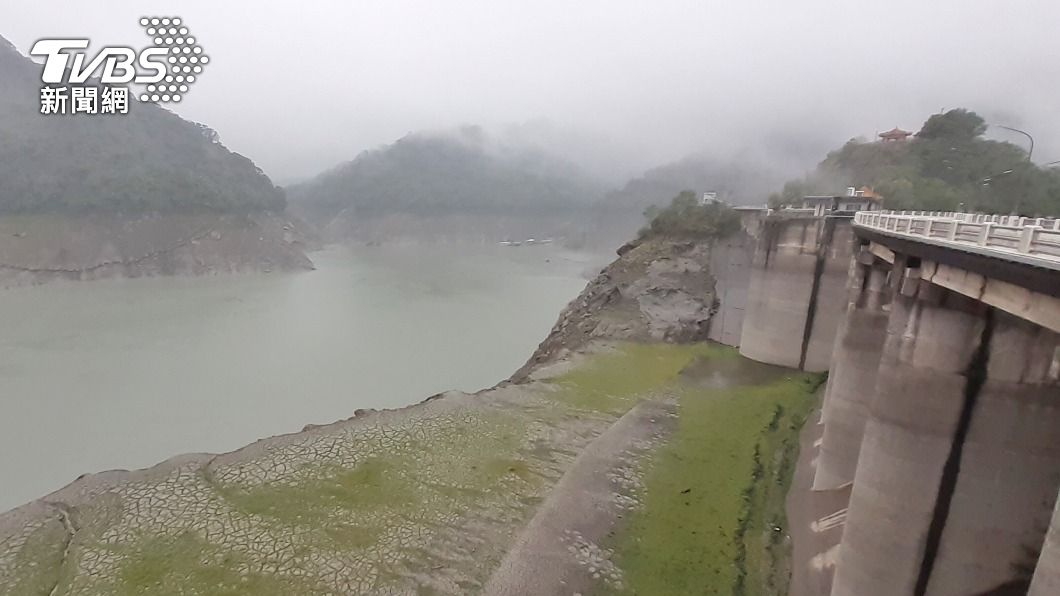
(1030, 152)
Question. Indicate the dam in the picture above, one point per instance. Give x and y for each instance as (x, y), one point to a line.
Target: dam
(941, 334)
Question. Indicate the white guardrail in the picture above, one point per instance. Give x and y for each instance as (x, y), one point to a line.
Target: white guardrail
(1034, 240)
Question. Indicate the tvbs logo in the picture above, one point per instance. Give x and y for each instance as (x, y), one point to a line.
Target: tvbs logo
(165, 69)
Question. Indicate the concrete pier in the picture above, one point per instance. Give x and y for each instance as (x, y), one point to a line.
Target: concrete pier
(1002, 500)
(852, 379)
(959, 466)
(914, 415)
(829, 303)
(730, 265)
(797, 291)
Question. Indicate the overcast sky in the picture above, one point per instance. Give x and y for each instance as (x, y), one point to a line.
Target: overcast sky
(299, 86)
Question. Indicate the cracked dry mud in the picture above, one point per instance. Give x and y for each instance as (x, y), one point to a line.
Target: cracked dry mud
(427, 499)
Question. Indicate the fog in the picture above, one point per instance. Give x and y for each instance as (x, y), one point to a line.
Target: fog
(618, 86)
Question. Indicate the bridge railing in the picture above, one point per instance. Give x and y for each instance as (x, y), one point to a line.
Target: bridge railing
(1005, 233)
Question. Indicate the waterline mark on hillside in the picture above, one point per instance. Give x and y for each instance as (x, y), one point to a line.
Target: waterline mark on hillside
(75, 84)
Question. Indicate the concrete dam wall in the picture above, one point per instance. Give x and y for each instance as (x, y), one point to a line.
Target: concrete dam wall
(730, 266)
(942, 417)
(957, 466)
(797, 292)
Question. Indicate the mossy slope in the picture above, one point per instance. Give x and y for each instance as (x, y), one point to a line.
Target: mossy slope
(713, 516)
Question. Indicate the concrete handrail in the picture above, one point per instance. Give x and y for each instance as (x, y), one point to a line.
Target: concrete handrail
(1002, 236)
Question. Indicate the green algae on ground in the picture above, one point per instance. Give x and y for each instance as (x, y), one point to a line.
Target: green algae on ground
(613, 382)
(712, 518)
(764, 553)
(365, 502)
(375, 482)
(185, 564)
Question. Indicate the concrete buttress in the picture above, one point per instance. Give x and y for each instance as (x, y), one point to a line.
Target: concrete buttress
(852, 379)
(959, 466)
(797, 292)
(907, 440)
(1009, 469)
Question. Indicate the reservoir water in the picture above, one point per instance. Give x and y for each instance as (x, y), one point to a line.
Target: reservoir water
(122, 374)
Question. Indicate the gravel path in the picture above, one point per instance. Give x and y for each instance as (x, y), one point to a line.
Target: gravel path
(559, 551)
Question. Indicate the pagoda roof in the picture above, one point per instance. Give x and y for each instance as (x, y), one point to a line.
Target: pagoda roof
(895, 133)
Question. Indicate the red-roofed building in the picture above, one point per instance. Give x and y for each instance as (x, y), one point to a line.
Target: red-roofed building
(895, 134)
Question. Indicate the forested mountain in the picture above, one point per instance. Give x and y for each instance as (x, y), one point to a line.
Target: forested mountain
(147, 160)
(459, 172)
(948, 165)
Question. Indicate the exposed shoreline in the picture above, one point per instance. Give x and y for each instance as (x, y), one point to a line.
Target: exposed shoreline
(37, 249)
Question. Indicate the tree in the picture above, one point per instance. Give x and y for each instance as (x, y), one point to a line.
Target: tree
(956, 125)
(685, 217)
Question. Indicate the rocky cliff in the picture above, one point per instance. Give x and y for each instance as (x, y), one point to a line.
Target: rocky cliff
(658, 289)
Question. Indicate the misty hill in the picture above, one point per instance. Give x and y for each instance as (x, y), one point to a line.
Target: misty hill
(739, 183)
(429, 174)
(947, 166)
(147, 160)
